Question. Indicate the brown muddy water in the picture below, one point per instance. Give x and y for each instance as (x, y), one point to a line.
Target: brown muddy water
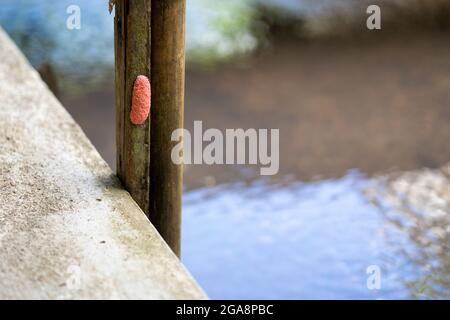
(347, 111)
(375, 106)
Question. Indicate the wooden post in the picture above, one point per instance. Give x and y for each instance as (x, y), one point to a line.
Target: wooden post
(167, 78)
(149, 40)
(132, 54)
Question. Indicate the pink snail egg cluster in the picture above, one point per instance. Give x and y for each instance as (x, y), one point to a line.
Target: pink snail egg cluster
(140, 101)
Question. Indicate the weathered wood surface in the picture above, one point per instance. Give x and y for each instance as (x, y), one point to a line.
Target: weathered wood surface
(149, 40)
(168, 64)
(132, 48)
(67, 227)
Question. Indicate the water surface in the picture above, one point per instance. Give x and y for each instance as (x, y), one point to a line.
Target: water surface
(311, 240)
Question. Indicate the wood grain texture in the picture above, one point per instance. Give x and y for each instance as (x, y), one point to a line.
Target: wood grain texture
(132, 48)
(167, 78)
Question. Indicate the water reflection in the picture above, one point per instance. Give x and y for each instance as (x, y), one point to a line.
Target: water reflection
(313, 240)
(216, 30)
(417, 204)
(300, 240)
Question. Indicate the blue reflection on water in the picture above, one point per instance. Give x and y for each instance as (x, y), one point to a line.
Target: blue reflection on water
(304, 240)
(39, 27)
(216, 29)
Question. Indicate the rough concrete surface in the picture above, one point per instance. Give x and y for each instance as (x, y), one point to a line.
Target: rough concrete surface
(68, 230)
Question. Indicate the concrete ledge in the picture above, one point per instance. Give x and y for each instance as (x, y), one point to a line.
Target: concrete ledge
(67, 228)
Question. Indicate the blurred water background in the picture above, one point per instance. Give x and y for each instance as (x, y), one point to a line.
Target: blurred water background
(350, 105)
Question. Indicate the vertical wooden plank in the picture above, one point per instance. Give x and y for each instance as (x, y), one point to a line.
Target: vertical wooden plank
(168, 64)
(119, 47)
(133, 47)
